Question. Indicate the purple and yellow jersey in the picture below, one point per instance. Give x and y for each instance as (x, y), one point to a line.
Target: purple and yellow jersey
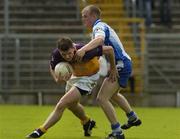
(88, 66)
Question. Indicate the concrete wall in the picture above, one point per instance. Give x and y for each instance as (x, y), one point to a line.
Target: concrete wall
(153, 100)
(162, 100)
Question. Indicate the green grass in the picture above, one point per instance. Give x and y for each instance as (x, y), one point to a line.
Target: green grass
(17, 121)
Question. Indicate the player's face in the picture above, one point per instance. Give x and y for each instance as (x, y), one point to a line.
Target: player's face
(87, 18)
(68, 55)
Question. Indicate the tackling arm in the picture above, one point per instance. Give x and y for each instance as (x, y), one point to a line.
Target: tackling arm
(108, 50)
(91, 45)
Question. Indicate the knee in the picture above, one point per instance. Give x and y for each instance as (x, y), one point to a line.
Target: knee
(71, 107)
(100, 100)
(61, 105)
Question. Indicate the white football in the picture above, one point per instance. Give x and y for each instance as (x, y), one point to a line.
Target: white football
(63, 68)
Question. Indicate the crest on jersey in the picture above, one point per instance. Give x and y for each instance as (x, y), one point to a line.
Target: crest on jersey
(98, 29)
(52, 58)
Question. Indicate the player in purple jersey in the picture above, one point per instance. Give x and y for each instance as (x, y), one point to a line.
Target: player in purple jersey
(80, 83)
(56, 57)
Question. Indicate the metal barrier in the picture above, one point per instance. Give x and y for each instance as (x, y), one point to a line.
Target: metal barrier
(162, 61)
(24, 61)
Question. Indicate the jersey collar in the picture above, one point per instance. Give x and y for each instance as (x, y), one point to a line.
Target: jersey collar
(97, 21)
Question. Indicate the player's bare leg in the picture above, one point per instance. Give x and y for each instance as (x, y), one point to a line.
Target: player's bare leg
(71, 101)
(72, 96)
(122, 102)
(78, 110)
(88, 124)
(106, 92)
(104, 97)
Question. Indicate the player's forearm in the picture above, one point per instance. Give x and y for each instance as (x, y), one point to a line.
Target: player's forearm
(93, 44)
(56, 79)
(112, 60)
(52, 73)
(108, 50)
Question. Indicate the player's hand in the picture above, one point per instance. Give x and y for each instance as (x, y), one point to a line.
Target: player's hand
(113, 74)
(60, 79)
(79, 55)
(67, 77)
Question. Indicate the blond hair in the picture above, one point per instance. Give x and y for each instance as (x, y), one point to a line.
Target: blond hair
(93, 10)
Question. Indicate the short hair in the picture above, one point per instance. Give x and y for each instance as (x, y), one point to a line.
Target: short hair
(64, 44)
(94, 9)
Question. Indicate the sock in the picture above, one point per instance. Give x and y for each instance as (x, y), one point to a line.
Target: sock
(116, 128)
(42, 129)
(131, 116)
(84, 121)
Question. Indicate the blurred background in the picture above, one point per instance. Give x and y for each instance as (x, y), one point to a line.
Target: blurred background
(148, 29)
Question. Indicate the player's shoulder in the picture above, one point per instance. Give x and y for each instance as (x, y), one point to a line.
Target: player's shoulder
(56, 57)
(79, 45)
(100, 26)
(55, 53)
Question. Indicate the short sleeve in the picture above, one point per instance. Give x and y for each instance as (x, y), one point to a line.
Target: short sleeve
(55, 58)
(98, 31)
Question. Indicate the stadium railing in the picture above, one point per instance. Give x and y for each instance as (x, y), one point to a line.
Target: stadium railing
(163, 72)
(24, 60)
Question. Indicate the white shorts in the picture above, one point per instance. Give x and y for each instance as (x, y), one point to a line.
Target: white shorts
(86, 83)
(103, 66)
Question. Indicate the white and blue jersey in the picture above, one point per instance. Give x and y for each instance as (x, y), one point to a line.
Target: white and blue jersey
(110, 38)
(123, 60)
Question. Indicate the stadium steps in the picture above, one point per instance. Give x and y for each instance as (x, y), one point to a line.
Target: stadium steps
(47, 28)
(175, 14)
(163, 53)
(29, 20)
(27, 66)
(163, 58)
(46, 21)
(32, 64)
(42, 16)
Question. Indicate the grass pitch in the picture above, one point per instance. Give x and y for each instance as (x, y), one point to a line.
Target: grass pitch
(18, 121)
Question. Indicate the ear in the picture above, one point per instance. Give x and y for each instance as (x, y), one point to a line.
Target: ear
(94, 16)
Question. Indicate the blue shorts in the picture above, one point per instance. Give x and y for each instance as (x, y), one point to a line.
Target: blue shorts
(124, 73)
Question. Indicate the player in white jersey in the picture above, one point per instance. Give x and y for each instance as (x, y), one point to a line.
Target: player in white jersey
(103, 34)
